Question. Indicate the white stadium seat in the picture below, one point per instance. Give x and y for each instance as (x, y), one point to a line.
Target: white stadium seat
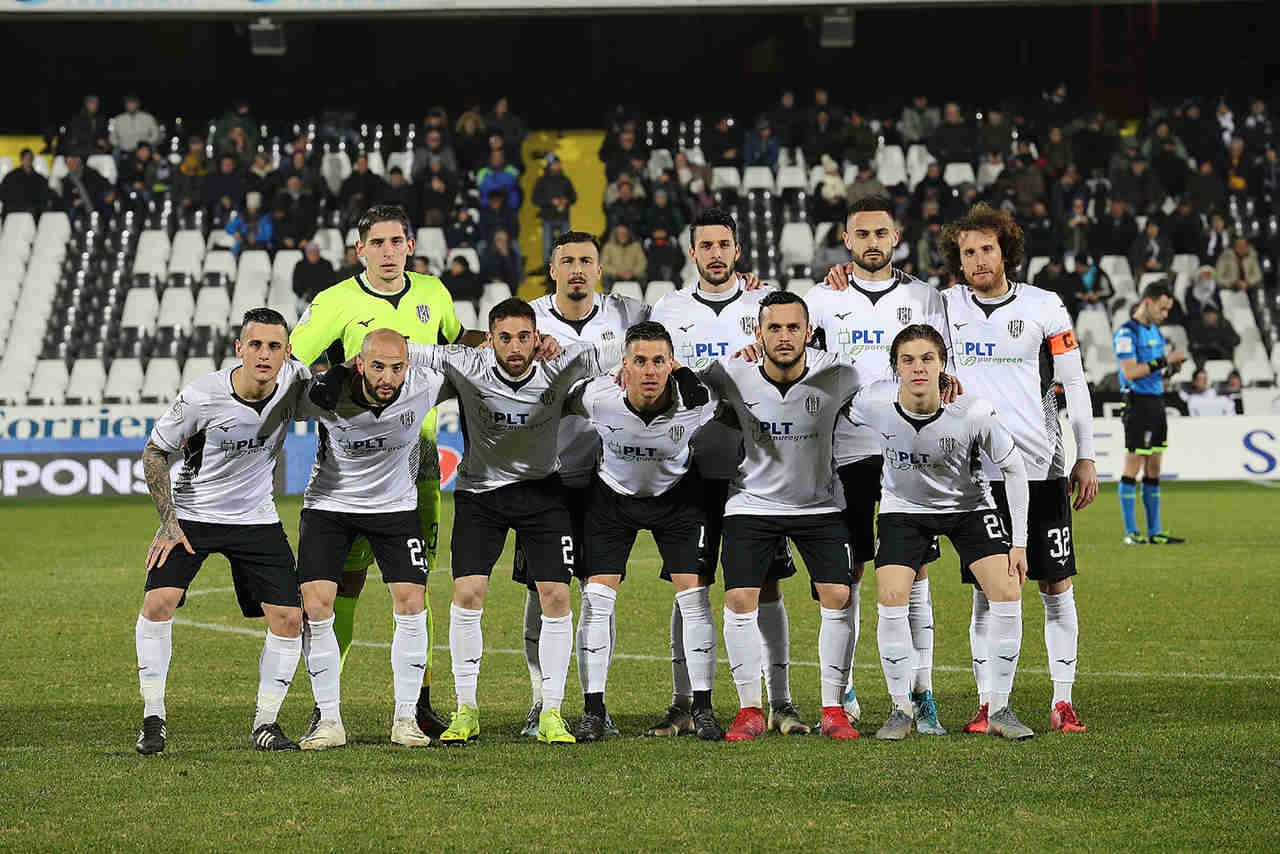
(124, 381)
(403, 159)
(154, 240)
(792, 177)
(104, 165)
(1035, 265)
(1218, 369)
(88, 378)
(1115, 265)
(378, 166)
(891, 166)
(49, 382)
(1185, 263)
(213, 306)
(496, 291)
(177, 307)
(161, 382)
(19, 224)
(431, 245)
(465, 309)
(254, 262)
(282, 267)
(195, 368)
(221, 261)
(1092, 327)
(796, 243)
(55, 223)
(330, 240)
(473, 258)
(140, 309)
(1175, 336)
(189, 241)
(757, 178)
(657, 290)
(725, 178)
(800, 287)
(628, 289)
(956, 174)
(335, 167)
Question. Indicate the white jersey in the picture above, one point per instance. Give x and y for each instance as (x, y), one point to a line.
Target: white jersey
(703, 330)
(1003, 351)
(606, 323)
(229, 446)
(788, 431)
(860, 325)
(367, 457)
(642, 454)
(510, 426)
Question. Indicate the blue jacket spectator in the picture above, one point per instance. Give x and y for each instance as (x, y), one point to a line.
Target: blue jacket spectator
(762, 147)
(501, 262)
(250, 228)
(498, 177)
(224, 188)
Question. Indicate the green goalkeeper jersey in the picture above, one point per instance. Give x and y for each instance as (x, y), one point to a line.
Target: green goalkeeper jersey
(348, 311)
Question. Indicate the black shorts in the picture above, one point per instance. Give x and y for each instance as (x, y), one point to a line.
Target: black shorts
(674, 518)
(905, 537)
(1051, 552)
(861, 483)
(1146, 426)
(576, 499)
(396, 539)
(537, 511)
(751, 544)
(262, 567)
(715, 495)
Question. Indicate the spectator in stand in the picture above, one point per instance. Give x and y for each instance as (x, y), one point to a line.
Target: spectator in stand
(1078, 226)
(722, 145)
(498, 177)
(1054, 277)
(437, 119)
(397, 191)
(954, 141)
(1203, 399)
(865, 184)
(919, 120)
(762, 146)
(133, 126)
(437, 196)
(787, 120)
(312, 274)
(1199, 135)
(191, 176)
(684, 170)
(238, 146)
(1114, 233)
(361, 190)
(1041, 232)
(494, 217)
(461, 281)
(307, 172)
(249, 227)
(931, 186)
(1138, 188)
(239, 116)
(1257, 131)
(508, 123)
(1206, 190)
(24, 189)
(996, 134)
(1203, 292)
(1238, 267)
(890, 134)
(1093, 145)
(1185, 229)
(351, 265)
(84, 189)
(87, 132)
(1095, 289)
(1057, 152)
(554, 196)
(1169, 169)
(830, 195)
(501, 261)
(1211, 335)
(829, 252)
(144, 172)
(433, 147)
(930, 263)
(628, 157)
(295, 211)
(462, 231)
(700, 196)
(665, 260)
(1236, 168)
(1218, 239)
(614, 191)
(860, 143)
(662, 215)
(497, 142)
(1026, 181)
(990, 169)
(1266, 177)
(1153, 144)
(261, 178)
(821, 138)
(1150, 252)
(471, 141)
(822, 101)
(612, 143)
(623, 258)
(626, 209)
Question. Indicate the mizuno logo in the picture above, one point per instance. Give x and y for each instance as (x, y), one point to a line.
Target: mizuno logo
(979, 661)
(314, 673)
(471, 661)
(613, 429)
(687, 328)
(927, 628)
(364, 323)
(750, 403)
(958, 325)
(1009, 658)
(838, 669)
(592, 650)
(705, 648)
(843, 315)
(285, 682)
(422, 666)
(225, 428)
(1062, 561)
(734, 667)
(1066, 662)
(888, 436)
(782, 664)
(894, 660)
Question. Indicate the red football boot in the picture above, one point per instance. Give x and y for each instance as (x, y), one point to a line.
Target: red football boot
(979, 722)
(748, 725)
(1063, 718)
(835, 723)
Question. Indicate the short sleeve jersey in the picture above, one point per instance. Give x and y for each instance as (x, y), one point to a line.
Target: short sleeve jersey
(605, 324)
(229, 446)
(1003, 351)
(860, 325)
(1134, 340)
(422, 311)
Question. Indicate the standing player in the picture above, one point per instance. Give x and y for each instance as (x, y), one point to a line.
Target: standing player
(933, 485)
(645, 482)
(870, 303)
(509, 478)
(420, 308)
(1144, 363)
(575, 313)
(714, 319)
(363, 484)
(786, 487)
(230, 427)
(1009, 342)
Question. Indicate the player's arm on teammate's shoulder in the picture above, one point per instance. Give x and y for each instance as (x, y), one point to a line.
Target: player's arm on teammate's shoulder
(1069, 370)
(321, 324)
(576, 401)
(838, 276)
(693, 392)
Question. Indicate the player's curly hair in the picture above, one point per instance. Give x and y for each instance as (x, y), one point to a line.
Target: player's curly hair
(916, 332)
(982, 217)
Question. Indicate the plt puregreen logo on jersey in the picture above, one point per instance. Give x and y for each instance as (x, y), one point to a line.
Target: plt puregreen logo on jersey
(854, 342)
(970, 353)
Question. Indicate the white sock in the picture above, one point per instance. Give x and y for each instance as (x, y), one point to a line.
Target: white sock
(893, 634)
(775, 632)
(155, 647)
(920, 617)
(699, 637)
(408, 661)
(1004, 639)
(466, 646)
(595, 641)
(855, 627)
(1061, 637)
(978, 645)
(681, 687)
(276, 666)
(324, 666)
(555, 647)
(835, 642)
(532, 631)
(746, 653)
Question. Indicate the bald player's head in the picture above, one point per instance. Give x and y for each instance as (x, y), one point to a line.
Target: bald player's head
(382, 363)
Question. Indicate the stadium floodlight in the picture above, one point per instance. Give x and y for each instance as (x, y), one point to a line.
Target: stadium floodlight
(266, 38)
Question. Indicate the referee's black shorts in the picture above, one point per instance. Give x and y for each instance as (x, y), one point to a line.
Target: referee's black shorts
(396, 539)
(1146, 426)
(262, 567)
(860, 481)
(537, 510)
(674, 518)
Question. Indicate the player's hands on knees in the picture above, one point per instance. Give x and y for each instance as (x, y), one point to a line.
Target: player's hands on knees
(1018, 564)
(166, 540)
(750, 353)
(548, 348)
(950, 387)
(838, 276)
(1084, 484)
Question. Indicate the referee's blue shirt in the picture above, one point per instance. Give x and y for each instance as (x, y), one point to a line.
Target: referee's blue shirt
(1133, 340)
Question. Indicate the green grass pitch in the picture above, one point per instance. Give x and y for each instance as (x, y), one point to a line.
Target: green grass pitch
(1179, 674)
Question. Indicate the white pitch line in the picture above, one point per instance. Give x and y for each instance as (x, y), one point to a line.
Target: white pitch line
(1105, 674)
(206, 590)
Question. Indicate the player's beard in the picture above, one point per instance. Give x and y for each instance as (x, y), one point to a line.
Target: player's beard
(789, 363)
(874, 266)
(578, 296)
(716, 279)
(371, 393)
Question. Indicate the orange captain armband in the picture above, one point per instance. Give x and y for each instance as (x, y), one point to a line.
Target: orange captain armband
(1064, 343)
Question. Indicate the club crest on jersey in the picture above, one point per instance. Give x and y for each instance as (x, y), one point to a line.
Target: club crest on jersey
(676, 433)
(607, 335)
(748, 325)
(424, 313)
(548, 397)
(812, 404)
(407, 419)
(948, 444)
(175, 412)
(1015, 328)
(904, 314)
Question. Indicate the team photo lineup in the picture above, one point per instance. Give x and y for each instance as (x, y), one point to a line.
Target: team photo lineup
(742, 426)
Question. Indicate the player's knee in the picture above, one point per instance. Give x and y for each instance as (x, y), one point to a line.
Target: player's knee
(1053, 588)
(159, 605)
(554, 599)
(468, 593)
(891, 595)
(833, 596)
(408, 599)
(742, 600)
(1003, 589)
(284, 622)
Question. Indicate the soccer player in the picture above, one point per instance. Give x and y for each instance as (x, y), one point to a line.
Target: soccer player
(868, 304)
(363, 484)
(1009, 341)
(786, 487)
(509, 478)
(645, 482)
(419, 307)
(932, 486)
(575, 313)
(230, 427)
(717, 318)
(1144, 363)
